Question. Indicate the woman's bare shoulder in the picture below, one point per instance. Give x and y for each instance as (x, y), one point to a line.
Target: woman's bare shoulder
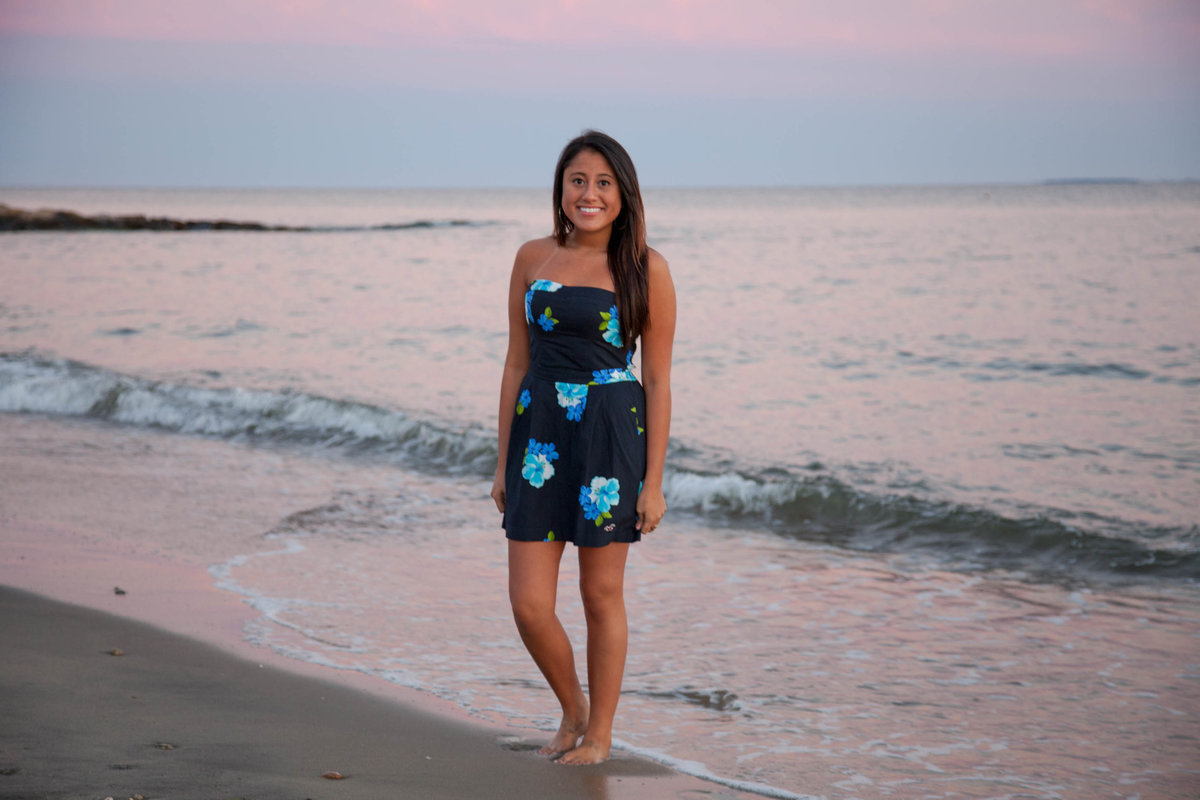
(537, 249)
(656, 265)
(530, 256)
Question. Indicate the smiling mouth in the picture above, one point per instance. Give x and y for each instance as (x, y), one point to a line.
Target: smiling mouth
(589, 210)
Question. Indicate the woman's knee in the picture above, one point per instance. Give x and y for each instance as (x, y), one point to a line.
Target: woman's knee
(602, 581)
(531, 611)
(533, 581)
(602, 597)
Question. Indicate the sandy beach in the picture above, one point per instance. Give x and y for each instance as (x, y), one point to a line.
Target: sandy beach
(172, 717)
(239, 720)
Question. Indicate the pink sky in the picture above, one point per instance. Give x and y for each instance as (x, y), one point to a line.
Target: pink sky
(1118, 28)
(769, 91)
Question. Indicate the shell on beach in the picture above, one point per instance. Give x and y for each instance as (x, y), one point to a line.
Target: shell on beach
(333, 776)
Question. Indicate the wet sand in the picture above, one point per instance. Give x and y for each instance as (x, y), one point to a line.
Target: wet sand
(172, 717)
(242, 720)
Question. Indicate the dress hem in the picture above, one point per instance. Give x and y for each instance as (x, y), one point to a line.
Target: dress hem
(541, 537)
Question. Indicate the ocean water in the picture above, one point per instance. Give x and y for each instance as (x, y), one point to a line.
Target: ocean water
(934, 475)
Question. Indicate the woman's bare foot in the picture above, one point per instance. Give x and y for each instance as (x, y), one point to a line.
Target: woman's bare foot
(566, 738)
(586, 753)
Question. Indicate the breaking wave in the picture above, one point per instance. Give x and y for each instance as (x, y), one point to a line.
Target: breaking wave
(816, 506)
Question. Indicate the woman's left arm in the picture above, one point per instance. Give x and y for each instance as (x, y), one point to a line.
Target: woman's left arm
(658, 338)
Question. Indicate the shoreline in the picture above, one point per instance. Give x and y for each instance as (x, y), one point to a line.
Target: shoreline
(96, 703)
(76, 529)
(977, 685)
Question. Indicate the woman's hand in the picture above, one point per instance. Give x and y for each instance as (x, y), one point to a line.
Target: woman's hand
(498, 491)
(651, 506)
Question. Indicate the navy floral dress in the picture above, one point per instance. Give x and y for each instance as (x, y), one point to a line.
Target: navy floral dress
(577, 452)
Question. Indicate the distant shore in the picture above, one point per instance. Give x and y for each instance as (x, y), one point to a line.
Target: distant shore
(1091, 181)
(14, 220)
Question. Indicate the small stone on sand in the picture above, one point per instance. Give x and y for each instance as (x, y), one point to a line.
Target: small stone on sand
(333, 776)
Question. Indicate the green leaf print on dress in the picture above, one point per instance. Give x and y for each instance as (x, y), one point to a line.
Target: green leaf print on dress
(546, 320)
(538, 286)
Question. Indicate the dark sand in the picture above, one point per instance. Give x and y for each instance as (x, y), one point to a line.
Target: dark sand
(83, 508)
(79, 722)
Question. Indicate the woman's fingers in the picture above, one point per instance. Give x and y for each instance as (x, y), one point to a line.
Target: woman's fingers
(646, 523)
(498, 494)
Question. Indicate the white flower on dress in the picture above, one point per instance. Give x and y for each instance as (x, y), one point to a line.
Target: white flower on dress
(572, 397)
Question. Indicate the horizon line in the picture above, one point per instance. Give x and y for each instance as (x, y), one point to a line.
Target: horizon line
(1057, 181)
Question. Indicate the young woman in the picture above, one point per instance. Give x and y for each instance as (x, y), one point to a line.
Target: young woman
(582, 443)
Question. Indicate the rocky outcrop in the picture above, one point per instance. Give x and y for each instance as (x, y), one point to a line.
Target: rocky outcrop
(47, 219)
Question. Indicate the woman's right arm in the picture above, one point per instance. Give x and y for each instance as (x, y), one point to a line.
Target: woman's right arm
(516, 364)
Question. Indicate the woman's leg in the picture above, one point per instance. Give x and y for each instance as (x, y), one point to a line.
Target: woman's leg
(532, 587)
(602, 585)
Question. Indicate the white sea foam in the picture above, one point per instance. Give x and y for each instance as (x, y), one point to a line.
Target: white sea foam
(729, 492)
(699, 770)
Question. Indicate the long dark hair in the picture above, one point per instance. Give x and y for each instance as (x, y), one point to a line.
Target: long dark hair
(627, 244)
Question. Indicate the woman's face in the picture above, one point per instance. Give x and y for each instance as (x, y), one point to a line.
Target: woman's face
(591, 198)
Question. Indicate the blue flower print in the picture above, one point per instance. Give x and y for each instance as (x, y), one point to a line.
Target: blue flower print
(611, 326)
(602, 376)
(572, 397)
(546, 321)
(598, 499)
(537, 286)
(523, 401)
(537, 468)
(588, 504)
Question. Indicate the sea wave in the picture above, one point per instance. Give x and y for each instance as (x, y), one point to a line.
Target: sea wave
(62, 387)
(1001, 369)
(812, 505)
(823, 508)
